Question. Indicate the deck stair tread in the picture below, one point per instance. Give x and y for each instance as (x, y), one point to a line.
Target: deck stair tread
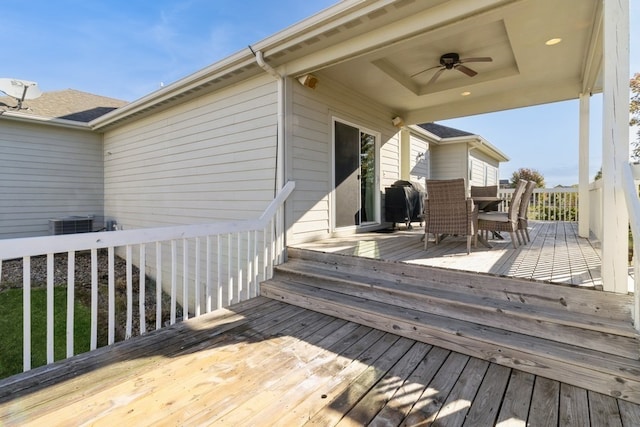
(578, 347)
(419, 292)
(588, 301)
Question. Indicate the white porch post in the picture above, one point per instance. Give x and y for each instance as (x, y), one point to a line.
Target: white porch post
(405, 153)
(615, 145)
(583, 168)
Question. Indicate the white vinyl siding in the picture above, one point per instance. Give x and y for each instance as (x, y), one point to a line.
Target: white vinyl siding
(419, 160)
(313, 111)
(47, 172)
(449, 161)
(483, 169)
(209, 159)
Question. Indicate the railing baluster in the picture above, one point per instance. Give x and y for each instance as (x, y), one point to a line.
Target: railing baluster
(265, 249)
(26, 313)
(272, 254)
(174, 280)
(229, 276)
(256, 266)
(185, 279)
(50, 280)
(94, 299)
(196, 291)
(142, 306)
(129, 267)
(208, 287)
(158, 285)
(219, 284)
(239, 268)
(71, 263)
(248, 266)
(112, 296)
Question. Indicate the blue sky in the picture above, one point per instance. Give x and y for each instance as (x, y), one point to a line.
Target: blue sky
(127, 49)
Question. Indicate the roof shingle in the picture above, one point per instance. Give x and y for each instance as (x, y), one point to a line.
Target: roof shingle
(69, 104)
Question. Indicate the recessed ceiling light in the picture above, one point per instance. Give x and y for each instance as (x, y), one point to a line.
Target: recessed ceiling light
(465, 93)
(553, 41)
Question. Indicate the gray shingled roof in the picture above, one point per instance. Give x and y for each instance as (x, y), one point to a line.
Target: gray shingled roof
(444, 131)
(69, 104)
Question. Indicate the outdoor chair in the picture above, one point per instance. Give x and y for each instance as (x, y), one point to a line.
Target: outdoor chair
(447, 211)
(504, 221)
(523, 214)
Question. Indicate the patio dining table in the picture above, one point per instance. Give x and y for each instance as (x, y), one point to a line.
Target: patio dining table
(487, 204)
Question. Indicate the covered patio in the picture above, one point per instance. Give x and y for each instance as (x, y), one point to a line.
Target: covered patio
(556, 253)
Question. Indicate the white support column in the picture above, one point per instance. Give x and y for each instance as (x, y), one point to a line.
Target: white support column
(583, 168)
(615, 145)
(405, 153)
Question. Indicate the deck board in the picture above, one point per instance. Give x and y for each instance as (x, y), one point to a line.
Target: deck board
(284, 365)
(555, 254)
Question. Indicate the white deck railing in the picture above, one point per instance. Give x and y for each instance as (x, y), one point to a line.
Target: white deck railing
(548, 204)
(633, 205)
(240, 253)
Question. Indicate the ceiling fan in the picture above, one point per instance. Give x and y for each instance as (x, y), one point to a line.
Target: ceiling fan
(452, 61)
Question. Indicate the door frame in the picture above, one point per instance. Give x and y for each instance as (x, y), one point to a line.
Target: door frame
(332, 195)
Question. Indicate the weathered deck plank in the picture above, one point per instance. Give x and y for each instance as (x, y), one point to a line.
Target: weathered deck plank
(288, 366)
(555, 253)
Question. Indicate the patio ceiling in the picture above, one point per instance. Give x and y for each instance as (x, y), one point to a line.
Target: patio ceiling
(381, 59)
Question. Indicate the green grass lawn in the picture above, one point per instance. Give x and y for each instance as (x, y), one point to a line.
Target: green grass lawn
(11, 328)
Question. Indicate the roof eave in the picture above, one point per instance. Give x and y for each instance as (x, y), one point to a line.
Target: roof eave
(232, 64)
(52, 121)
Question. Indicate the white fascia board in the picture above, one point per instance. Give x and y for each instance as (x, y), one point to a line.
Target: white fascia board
(51, 121)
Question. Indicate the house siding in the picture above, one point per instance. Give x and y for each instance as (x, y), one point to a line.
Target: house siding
(311, 133)
(483, 169)
(449, 161)
(419, 159)
(210, 159)
(47, 172)
(207, 160)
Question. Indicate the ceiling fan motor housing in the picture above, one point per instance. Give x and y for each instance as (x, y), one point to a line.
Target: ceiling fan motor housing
(448, 60)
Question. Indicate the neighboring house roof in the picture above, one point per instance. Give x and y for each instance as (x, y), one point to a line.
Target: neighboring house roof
(441, 135)
(444, 131)
(68, 104)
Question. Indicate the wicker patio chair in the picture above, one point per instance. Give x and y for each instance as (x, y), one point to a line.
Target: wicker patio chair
(447, 211)
(523, 214)
(505, 221)
(486, 191)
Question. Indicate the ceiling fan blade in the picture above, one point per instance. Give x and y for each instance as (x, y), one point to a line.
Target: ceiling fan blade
(424, 71)
(479, 59)
(468, 71)
(435, 76)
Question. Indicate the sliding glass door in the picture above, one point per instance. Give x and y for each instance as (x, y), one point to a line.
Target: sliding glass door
(356, 195)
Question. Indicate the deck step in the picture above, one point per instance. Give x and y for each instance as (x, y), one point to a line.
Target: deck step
(575, 342)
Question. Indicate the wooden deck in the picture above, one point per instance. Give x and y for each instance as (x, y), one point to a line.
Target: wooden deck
(555, 254)
(264, 362)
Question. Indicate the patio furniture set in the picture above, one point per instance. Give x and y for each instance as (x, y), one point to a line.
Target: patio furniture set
(449, 211)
